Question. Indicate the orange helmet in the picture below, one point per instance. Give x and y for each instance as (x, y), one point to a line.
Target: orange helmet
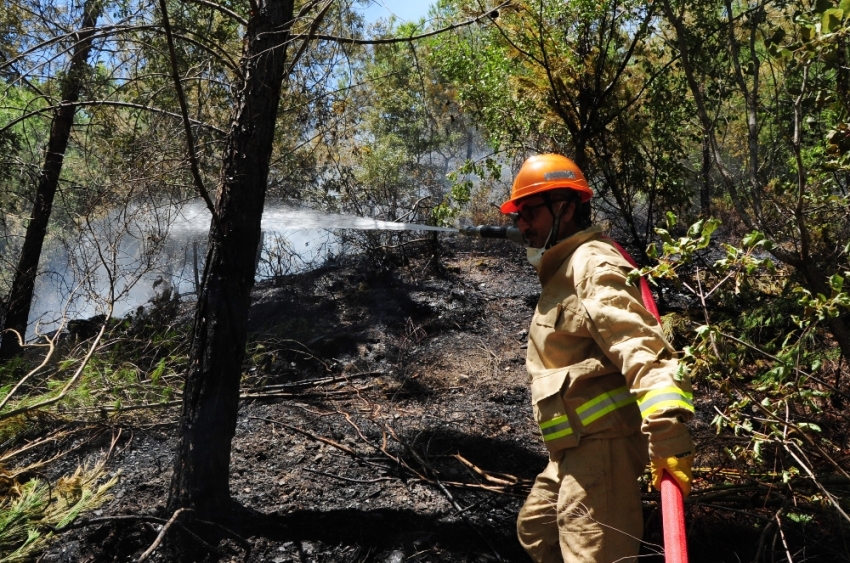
(545, 172)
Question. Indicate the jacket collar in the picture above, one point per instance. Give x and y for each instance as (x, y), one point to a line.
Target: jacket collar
(555, 256)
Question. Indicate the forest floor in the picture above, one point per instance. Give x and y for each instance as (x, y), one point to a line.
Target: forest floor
(386, 418)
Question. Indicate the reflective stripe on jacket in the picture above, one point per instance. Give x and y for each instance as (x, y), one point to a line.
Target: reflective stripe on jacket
(597, 359)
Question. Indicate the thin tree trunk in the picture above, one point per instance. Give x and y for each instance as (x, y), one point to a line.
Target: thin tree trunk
(23, 286)
(211, 395)
(705, 187)
(842, 80)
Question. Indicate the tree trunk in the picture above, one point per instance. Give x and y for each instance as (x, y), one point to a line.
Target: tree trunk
(705, 171)
(20, 298)
(211, 395)
(816, 283)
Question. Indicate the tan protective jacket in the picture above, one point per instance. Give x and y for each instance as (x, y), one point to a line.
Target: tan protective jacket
(597, 359)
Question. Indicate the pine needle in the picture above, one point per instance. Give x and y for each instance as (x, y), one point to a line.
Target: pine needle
(32, 507)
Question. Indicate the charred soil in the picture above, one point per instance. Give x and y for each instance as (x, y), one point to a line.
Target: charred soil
(386, 417)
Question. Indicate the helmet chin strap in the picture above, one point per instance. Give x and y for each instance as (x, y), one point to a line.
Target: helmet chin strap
(556, 222)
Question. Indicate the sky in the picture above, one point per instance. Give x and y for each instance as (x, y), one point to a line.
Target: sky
(407, 10)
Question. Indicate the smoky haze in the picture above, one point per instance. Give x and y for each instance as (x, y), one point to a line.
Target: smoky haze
(128, 256)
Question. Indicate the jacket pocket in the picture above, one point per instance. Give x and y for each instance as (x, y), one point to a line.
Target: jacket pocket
(548, 314)
(551, 414)
(563, 317)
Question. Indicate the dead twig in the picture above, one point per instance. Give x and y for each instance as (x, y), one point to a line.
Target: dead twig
(782, 535)
(109, 520)
(460, 510)
(832, 500)
(350, 480)
(309, 434)
(339, 393)
(323, 381)
(51, 345)
(68, 385)
(498, 478)
(112, 409)
(162, 532)
(42, 463)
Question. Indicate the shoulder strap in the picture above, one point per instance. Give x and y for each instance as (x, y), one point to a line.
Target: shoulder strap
(645, 292)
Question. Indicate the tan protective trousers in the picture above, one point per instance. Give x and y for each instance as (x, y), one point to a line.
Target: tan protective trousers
(586, 507)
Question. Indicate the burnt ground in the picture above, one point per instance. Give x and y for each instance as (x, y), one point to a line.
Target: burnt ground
(386, 418)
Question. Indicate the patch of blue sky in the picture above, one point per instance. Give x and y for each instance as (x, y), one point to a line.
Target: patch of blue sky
(403, 10)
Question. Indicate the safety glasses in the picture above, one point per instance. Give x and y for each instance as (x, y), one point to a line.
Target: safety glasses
(527, 212)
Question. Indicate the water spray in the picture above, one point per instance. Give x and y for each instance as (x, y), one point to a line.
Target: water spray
(302, 218)
(279, 218)
(490, 231)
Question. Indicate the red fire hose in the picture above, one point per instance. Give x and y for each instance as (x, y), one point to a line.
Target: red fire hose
(673, 516)
(672, 501)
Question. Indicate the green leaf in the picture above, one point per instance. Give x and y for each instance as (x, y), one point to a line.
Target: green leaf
(831, 20)
(752, 239)
(652, 251)
(799, 518)
(665, 235)
(156, 374)
(696, 229)
(703, 331)
(710, 226)
(809, 426)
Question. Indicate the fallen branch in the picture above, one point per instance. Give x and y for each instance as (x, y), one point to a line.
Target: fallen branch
(751, 513)
(835, 503)
(112, 409)
(338, 393)
(244, 396)
(782, 535)
(309, 434)
(108, 520)
(498, 478)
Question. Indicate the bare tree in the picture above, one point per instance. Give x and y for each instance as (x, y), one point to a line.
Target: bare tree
(211, 396)
(20, 298)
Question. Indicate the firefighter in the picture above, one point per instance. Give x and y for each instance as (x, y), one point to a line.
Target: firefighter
(604, 385)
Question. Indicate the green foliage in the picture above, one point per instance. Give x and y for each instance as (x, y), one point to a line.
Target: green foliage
(30, 511)
(136, 367)
(140, 366)
(463, 182)
(675, 252)
(821, 307)
(575, 78)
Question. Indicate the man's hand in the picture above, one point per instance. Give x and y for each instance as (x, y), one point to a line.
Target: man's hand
(679, 466)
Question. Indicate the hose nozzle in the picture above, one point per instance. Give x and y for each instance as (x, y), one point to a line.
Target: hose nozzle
(490, 231)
